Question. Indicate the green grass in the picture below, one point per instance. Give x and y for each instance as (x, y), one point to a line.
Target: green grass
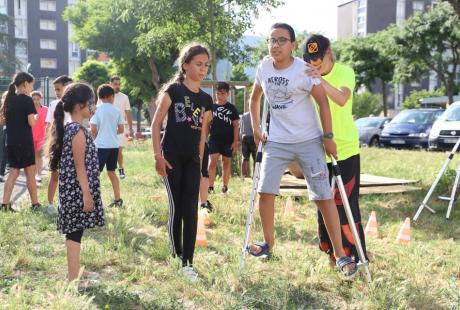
(132, 253)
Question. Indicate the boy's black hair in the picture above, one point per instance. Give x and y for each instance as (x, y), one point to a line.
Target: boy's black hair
(285, 27)
(63, 79)
(114, 78)
(223, 86)
(105, 91)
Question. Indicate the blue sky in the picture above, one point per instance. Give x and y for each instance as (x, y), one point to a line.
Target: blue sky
(309, 15)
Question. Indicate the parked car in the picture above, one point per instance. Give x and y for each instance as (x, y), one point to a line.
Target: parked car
(410, 128)
(446, 130)
(370, 128)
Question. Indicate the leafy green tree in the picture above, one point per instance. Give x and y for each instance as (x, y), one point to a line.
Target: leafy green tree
(365, 104)
(93, 72)
(8, 61)
(455, 4)
(429, 42)
(413, 100)
(371, 59)
(143, 37)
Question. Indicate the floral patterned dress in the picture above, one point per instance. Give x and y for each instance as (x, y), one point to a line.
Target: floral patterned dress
(71, 217)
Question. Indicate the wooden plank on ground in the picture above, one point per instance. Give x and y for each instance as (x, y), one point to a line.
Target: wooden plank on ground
(389, 189)
(367, 180)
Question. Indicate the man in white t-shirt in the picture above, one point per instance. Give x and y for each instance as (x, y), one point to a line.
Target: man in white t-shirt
(59, 85)
(122, 103)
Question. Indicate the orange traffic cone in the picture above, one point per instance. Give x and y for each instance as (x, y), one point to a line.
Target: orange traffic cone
(206, 218)
(404, 233)
(289, 208)
(371, 226)
(201, 232)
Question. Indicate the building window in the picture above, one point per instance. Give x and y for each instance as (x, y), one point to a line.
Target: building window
(3, 7)
(47, 24)
(74, 50)
(361, 19)
(20, 28)
(418, 6)
(48, 44)
(48, 63)
(21, 50)
(48, 5)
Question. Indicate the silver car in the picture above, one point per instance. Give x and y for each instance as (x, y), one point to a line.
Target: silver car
(370, 129)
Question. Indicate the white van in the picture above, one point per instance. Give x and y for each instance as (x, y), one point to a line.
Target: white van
(446, 130)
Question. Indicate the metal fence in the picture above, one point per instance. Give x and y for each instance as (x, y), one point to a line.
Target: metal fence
(41, 83)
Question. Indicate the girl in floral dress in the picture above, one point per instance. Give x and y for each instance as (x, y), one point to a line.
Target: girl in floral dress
(73, 152)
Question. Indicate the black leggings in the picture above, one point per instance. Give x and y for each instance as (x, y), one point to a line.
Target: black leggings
(183, 186)
(75, 236)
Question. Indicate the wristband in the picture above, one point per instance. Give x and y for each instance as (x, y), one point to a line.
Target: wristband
(328, 136)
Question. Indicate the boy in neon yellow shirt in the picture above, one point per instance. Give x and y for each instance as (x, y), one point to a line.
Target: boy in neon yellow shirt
(338, 80)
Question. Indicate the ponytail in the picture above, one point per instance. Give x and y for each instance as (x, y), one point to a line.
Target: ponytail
(9, 96)
(57, 137)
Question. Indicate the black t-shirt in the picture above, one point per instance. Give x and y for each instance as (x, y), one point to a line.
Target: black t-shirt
(222, 118)
(19, 130)
(185, 118)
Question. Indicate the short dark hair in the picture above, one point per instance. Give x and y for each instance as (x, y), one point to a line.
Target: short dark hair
(285, 27)
(63, 79)
(105, 91)
(223, 86)
(114, 78)
(36, 93)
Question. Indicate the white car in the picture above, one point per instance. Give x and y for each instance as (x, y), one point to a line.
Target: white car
(446, 130)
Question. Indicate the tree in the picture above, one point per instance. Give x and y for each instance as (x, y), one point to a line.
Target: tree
(365, 104)
(455, 4)
(429, 42)
(93, 72)
(371, 60)
(143, 37)
(8, 61)
(413, 100)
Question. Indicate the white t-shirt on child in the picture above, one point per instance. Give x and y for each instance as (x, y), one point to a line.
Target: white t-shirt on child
(293, 116)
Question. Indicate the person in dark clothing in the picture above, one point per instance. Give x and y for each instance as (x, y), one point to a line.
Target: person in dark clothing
(18, 112)
(3, 153)
(248, 146)
(178, 155)
(223, 139)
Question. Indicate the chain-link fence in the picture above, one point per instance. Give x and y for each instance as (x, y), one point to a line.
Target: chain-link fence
(41, 83)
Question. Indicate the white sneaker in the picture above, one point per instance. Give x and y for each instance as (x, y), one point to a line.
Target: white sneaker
(38, 178)
(189, 273)
(51, 210)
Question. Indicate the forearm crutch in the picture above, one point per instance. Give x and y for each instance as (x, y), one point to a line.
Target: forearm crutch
(435, 183)
(255, 182)
(351, 221)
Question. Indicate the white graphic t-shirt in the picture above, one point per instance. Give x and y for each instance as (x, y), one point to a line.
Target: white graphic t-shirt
(293, 117)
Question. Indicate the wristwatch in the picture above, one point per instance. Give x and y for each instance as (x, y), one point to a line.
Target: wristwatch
(328, 136)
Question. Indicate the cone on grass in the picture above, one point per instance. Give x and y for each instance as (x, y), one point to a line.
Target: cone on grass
(289, 208)
(372, 226)
(206, 217)
(404, 232)
(201, 232)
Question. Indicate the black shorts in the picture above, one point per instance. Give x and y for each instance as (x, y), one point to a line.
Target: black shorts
(225, 149)
(204, 162)
(21, 155)
(108, 158)
(248, 147)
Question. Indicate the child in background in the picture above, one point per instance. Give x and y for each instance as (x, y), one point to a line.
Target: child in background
(18, 113)
(178, 156)
(73, 150)
(105, 124)
(223, 139)
(38, 132)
